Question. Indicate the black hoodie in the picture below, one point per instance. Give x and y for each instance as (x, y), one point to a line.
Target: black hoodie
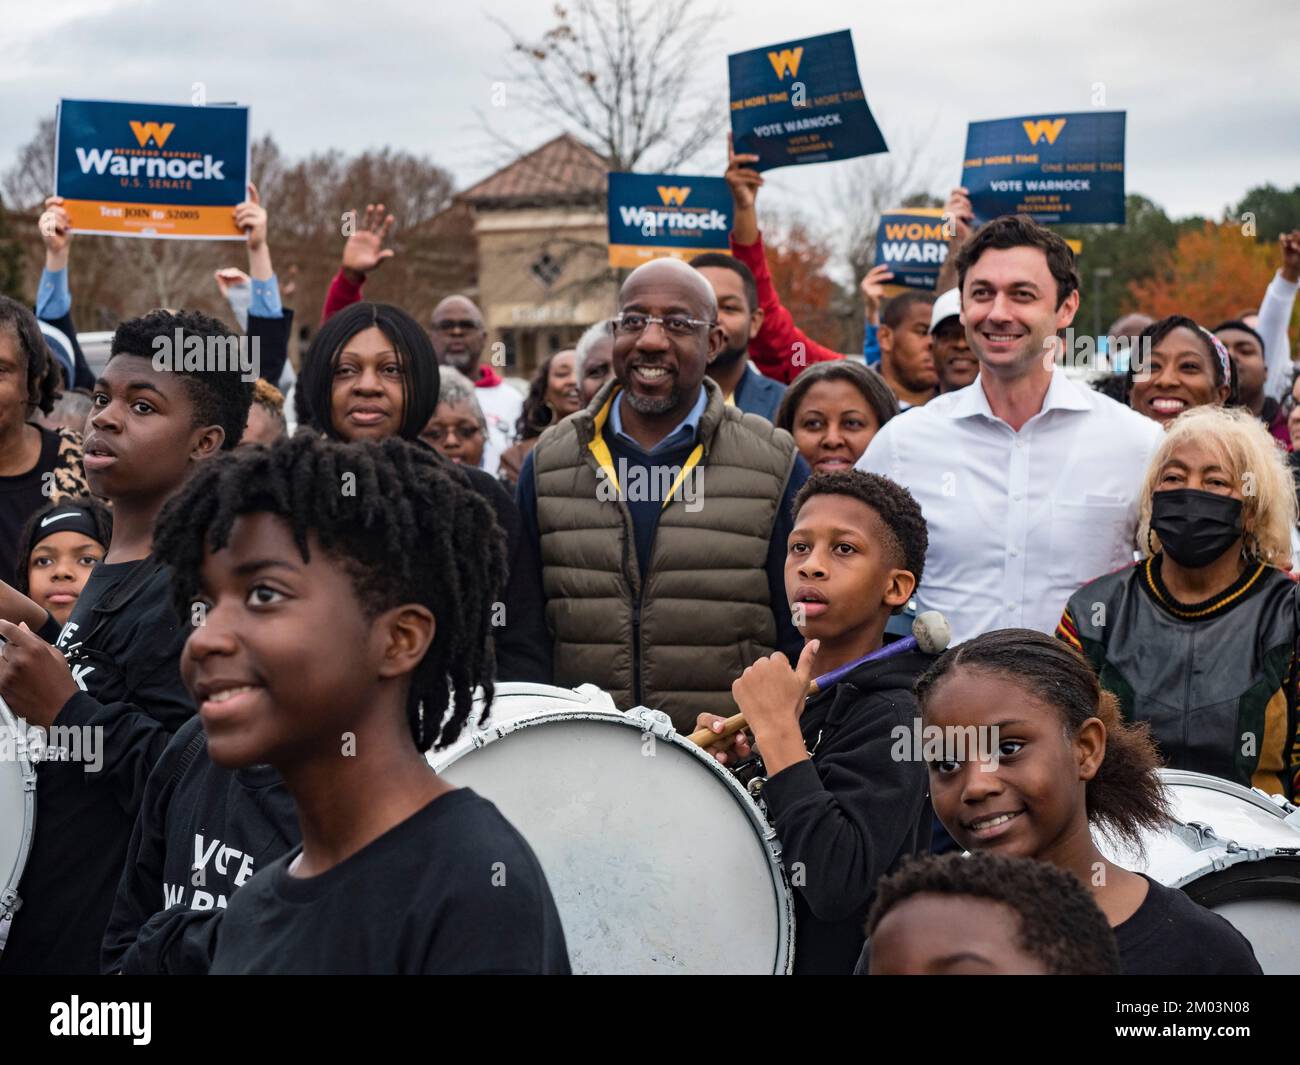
(202, 832)
(851, 814)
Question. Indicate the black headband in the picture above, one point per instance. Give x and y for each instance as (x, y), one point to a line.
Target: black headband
(68, 518)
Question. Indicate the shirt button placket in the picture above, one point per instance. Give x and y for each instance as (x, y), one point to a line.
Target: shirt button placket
(1017, 531)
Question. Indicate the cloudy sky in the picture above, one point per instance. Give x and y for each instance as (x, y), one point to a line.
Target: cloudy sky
(1212, 90)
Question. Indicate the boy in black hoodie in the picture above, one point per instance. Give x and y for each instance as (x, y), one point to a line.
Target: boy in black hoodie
(846, 809)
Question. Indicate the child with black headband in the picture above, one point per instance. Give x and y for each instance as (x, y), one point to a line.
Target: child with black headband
(60, 545)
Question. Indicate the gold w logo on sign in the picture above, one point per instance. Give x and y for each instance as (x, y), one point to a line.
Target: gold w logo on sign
(673, 194)
(786, 59)
(159, 131)
(1043, 127)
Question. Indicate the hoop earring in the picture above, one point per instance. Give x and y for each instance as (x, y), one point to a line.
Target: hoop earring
(1150, 549)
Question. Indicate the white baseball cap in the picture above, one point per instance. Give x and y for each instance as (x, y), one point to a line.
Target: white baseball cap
(946, 306)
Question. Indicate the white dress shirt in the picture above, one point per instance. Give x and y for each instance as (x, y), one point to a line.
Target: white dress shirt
(1017, 521)
(501, 406)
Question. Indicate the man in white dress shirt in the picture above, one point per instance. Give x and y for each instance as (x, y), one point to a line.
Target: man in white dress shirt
(1028, 481)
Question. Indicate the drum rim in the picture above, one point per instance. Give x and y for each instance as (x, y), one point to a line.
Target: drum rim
(1188, 778)
(9, 900)
(645, 719)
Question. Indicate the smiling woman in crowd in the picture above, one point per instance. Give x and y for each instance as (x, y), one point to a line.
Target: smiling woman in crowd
(832, 410)
(1186, 367)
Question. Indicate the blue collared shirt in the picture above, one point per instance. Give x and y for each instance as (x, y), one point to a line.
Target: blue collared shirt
(686, 429)
(53, 300)
(54, 297)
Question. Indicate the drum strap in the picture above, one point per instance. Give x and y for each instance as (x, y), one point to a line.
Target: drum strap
(186, 759)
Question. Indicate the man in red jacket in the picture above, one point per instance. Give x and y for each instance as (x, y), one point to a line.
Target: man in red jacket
(780, 349)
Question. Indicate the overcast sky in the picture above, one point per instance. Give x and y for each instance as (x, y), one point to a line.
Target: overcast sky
(1212, 90)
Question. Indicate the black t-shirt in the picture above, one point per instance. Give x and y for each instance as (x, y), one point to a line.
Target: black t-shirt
(124, 644)
(203, 831)
(1172, 935)
(1168, 935)
(452, 889)
(24, 494)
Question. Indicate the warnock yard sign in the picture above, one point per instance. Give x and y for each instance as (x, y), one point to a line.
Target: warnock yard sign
(152, 170)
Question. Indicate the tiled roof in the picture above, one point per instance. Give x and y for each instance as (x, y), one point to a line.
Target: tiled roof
(563, 170)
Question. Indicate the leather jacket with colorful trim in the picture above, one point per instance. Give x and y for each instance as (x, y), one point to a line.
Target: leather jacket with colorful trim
(1215, 680)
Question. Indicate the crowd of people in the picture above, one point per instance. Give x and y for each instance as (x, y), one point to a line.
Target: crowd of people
(272, 597)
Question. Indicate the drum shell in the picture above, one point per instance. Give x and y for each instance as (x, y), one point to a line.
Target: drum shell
(639, 874)
(1246, 867)
(17, 812)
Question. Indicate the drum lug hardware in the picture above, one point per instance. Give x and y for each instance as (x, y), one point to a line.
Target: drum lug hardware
(655, 722)
(29, 783)
(9, 902)
(756, 788)
(1196, 835)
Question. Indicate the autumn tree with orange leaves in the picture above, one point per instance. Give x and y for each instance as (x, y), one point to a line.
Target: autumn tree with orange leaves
(1213, 273)
(797, 260)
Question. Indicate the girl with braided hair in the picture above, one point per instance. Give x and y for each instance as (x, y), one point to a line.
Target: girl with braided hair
(343, 594)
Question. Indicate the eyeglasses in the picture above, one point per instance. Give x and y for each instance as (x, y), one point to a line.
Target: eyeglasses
(464, 431)
(451, 325)
(633, 324)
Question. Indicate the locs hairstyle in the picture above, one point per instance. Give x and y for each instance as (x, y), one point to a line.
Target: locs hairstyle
(312, 397)
(413, 533)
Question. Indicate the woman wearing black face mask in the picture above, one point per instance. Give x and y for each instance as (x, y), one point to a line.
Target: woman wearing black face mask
(1199, 638)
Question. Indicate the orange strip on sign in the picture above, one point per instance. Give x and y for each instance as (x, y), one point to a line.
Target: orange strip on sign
(633, 255)
(153, 220)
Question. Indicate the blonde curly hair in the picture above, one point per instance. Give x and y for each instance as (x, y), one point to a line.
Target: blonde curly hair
(1255, 463)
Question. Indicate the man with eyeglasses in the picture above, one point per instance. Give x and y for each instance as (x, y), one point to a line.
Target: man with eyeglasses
(659, 515)
(458, 339)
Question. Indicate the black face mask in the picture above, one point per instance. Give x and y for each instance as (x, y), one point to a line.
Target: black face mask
(1195, 527)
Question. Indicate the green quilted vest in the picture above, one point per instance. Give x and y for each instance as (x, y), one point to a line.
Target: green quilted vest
(673, 639)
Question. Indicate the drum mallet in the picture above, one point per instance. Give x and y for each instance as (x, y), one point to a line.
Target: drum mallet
(930, 633)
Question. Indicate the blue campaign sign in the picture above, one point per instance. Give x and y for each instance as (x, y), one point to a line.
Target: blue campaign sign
(654, 215)
(801, 102)
(155, 170)
(913, 244)
(1055, 167)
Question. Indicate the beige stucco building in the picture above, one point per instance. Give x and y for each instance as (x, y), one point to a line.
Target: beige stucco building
(541, 232)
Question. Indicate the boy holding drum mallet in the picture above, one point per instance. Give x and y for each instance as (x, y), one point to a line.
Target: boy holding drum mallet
(847, 798)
